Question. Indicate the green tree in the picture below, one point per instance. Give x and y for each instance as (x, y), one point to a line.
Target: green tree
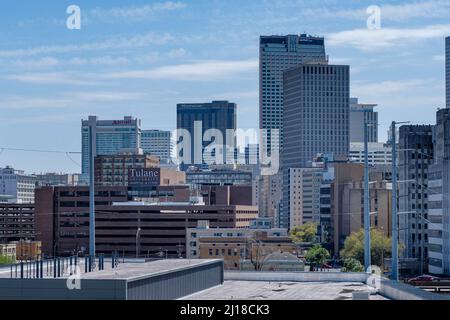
(6, 260)
(380, 247)
(304, 233)
(352, 265)
(317, 256)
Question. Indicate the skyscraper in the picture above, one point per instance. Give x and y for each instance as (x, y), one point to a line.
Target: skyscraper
(439, 199)
(197, 119)
(447, 70)
(111, 137)
(157, 143)
(276, 54)
(360, 113)
(415, 155)
(315, 118)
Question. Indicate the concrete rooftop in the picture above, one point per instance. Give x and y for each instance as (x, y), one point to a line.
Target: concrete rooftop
(124, 271)
(264, 290)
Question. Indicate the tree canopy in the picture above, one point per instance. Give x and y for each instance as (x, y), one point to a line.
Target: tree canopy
(304, 233)
(352, 265)
(317, 255)
(6, 260)
(380, 246)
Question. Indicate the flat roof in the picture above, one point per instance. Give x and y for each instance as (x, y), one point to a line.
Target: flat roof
(135, 271)
(125, 271)
(265, 290)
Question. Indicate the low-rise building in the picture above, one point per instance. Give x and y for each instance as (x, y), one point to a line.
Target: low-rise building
(17, 186)
(16, 222)
(8, 251)
(237, 245)
(28, 250)
(57, 179)
(132, 228)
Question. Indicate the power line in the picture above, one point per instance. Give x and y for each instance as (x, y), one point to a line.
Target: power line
(38, 150)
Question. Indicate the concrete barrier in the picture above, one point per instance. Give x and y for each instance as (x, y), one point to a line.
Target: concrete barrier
(296, 276)
(401, 291)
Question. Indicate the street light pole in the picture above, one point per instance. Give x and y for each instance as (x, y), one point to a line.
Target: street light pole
(137, 242)
(394, 261)
(367, 253)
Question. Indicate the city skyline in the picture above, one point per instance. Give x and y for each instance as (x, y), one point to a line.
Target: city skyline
(133, 60)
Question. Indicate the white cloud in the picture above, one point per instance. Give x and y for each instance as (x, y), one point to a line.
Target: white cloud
(135, 13)
(196, 71)
(365, 39)
(36, 63)
(70, 100)
(119, 42)
(70, 78)
(177, 53)
(389, 12)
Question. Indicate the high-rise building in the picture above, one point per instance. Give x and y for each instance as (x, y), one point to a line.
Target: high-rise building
(438, 198)
(197, 119)
(277, 54)
(157, 143)
(16, 186)
(315, 119)
(361, 113)
(304, 195)
(447, 69)
(379, 153)
(415, 156)
(111, 137)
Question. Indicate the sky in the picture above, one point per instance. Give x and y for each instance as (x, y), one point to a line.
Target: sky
(141, 58)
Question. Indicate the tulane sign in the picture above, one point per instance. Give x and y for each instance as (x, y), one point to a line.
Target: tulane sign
(144, 177)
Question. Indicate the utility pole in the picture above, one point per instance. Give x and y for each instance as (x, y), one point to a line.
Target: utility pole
(394, 261)
(91, 194)
(367, 252)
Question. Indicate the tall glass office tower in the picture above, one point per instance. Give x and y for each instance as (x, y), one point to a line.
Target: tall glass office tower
(111, 137)
(315, 119)
(220, 115)
(447, 70)
(277, 54)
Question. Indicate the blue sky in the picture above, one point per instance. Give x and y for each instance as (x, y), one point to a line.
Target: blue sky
(141, 58)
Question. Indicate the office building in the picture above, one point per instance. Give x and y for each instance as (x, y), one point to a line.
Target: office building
(197, 119)
(132, 228)
(415, 156)
(16, 186)
(277, 54)
(304, 195)
(224, 177)
(438, 218)
(16, 222)
(269, 196)
(132, 170)
(315, 121)
(111, 137)
(360, 114)
(157, 143)
(447, 70)
(56, 179)
(378, 153)
(343, 216)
